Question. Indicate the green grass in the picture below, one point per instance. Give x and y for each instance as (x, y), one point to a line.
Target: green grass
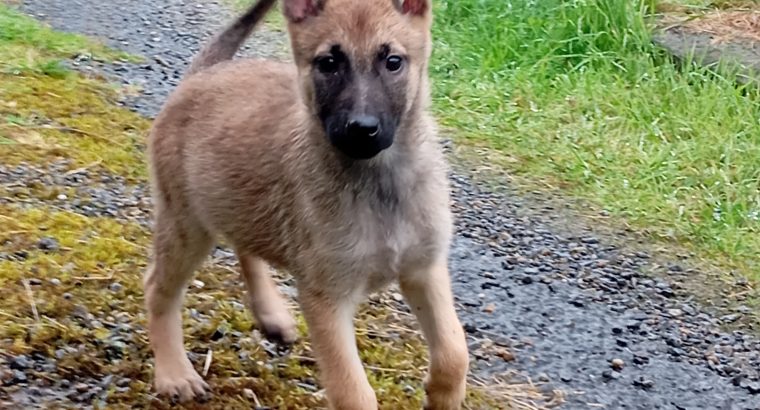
(574, 95)
(27, 46)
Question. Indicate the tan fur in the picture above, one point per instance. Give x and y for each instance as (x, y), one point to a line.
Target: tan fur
(237, 152)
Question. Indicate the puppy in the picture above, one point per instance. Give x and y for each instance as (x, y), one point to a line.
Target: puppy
(328, 168)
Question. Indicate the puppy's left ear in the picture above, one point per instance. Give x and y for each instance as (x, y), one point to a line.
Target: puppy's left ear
(297, 11)
(413, 7)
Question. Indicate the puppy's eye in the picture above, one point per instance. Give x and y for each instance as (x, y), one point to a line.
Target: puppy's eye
(327, 65)
(393, 63)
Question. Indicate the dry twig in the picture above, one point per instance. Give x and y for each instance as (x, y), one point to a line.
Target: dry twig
(30, 295)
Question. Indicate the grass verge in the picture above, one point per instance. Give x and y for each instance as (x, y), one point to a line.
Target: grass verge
(574, 96)
(29, 47)
(75, 309)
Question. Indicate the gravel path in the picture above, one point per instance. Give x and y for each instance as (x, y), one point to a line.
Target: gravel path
(566, 307)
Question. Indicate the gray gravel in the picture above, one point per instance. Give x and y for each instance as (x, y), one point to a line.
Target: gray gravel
(165, 33)
(565, 307)
(96, 192)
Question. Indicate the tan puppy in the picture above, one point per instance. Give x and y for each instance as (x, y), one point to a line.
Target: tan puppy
(329, 169)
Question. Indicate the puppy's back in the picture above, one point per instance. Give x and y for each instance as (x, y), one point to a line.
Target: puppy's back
(231, 122)
(228, 93)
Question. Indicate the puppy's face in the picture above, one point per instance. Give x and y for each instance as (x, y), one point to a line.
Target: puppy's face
(361, 65)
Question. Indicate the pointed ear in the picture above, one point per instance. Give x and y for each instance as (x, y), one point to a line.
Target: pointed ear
(413, 7)
(299, 10)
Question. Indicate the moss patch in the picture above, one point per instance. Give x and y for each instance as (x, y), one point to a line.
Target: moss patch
(89, 317)
(44, 118)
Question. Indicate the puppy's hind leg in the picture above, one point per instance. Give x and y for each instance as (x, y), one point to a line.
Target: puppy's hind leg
(266, 302)
(179, 246)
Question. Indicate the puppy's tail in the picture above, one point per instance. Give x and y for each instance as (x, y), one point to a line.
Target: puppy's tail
(224, 45)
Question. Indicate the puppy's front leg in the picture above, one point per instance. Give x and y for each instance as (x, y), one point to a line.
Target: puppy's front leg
(331, 331)
(429, 295)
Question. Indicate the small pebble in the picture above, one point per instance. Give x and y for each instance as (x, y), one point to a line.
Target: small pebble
(218, 334)
(675, 312)
(20, 362)
(753, 388)
(643, 382)
(617, 364)
(19, 376)
(505, 354)
(730, 318)
(48, 244)
(640, 358)
(79, 311)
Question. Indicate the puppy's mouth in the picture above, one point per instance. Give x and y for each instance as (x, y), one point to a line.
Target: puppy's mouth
(360, 137)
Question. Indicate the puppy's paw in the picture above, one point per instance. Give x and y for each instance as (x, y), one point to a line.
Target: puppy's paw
(279, 327)
(442, 402)
(444, 397)
(180, 383)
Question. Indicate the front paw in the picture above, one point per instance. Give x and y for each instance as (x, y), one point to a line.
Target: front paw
(444, 396)
(180, 383)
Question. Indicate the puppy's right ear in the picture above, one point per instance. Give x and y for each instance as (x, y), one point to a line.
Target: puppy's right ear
(413, 7)
(297, 11)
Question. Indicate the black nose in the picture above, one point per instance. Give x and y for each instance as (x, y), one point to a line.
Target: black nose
(363, 126)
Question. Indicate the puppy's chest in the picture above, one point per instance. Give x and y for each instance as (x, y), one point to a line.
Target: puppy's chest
(380, 244)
